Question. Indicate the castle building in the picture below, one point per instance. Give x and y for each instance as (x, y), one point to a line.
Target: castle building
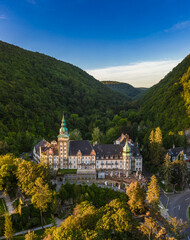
(122, 157)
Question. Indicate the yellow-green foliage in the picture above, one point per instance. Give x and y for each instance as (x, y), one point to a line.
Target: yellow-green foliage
(136, 196)
(87, 222)
(166, 103)
(185, 81)
(153, 192)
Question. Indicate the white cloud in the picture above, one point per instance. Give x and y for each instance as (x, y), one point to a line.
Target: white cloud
(3, 17)
(179, 26)
(143, 74)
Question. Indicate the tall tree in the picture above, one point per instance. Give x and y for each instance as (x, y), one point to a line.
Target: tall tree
(96, 135)
(151, 229)
(136, 198)
(176, 228)
(151, 137)
(167, 171)
(31, 236)
(75, 135)
(183, 169)
(41, 196)
(27, 174)
(8, 168)
(8, 227)
(158, 135)
(156, 147)
(153, 191)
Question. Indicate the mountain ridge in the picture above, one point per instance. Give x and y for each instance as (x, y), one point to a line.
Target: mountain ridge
(163, 103)
(126, 89)
(36, 89)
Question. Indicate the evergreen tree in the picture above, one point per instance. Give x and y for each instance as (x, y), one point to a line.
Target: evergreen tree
(183, 170)
(153, 191)
(156, 147)
(167, 171)
(8, 227)
(136, 198)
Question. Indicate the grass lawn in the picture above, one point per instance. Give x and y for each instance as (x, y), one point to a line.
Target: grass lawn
(21, 237)
(3, 207)
(189, 212)
(66, 171)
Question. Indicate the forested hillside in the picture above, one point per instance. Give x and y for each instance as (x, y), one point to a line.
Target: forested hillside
(167, 103)
(35, 89)
(126, 89)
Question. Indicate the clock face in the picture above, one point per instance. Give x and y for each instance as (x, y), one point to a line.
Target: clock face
(50, 151)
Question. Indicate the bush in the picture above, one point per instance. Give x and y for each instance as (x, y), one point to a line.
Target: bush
(33, 222)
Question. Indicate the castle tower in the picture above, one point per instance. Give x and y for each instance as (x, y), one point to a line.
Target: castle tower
(63, 145)
(127, 157)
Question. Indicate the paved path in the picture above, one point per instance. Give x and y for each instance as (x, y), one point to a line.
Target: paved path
(8, 202)
(33, 229)
(57, 220)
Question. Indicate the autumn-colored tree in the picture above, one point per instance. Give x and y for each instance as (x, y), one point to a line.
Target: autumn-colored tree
(153, 191)
(136, 196)
(158, 135)
(8, 227)
(151, 137)
(41, 196)
(151, 229)
(31, 236)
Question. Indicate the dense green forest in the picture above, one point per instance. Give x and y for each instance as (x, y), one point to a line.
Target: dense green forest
(126, 89)
(166, 103)
(36, 89)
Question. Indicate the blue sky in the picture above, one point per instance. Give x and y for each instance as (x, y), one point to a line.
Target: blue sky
(111, 39)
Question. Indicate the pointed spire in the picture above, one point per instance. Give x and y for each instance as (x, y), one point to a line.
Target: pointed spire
(63, 123)
(63, 130)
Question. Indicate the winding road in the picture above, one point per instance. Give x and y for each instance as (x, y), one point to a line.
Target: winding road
(177, 205)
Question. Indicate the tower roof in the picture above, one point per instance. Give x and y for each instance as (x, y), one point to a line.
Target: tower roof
(63, 131)
(127, 149)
